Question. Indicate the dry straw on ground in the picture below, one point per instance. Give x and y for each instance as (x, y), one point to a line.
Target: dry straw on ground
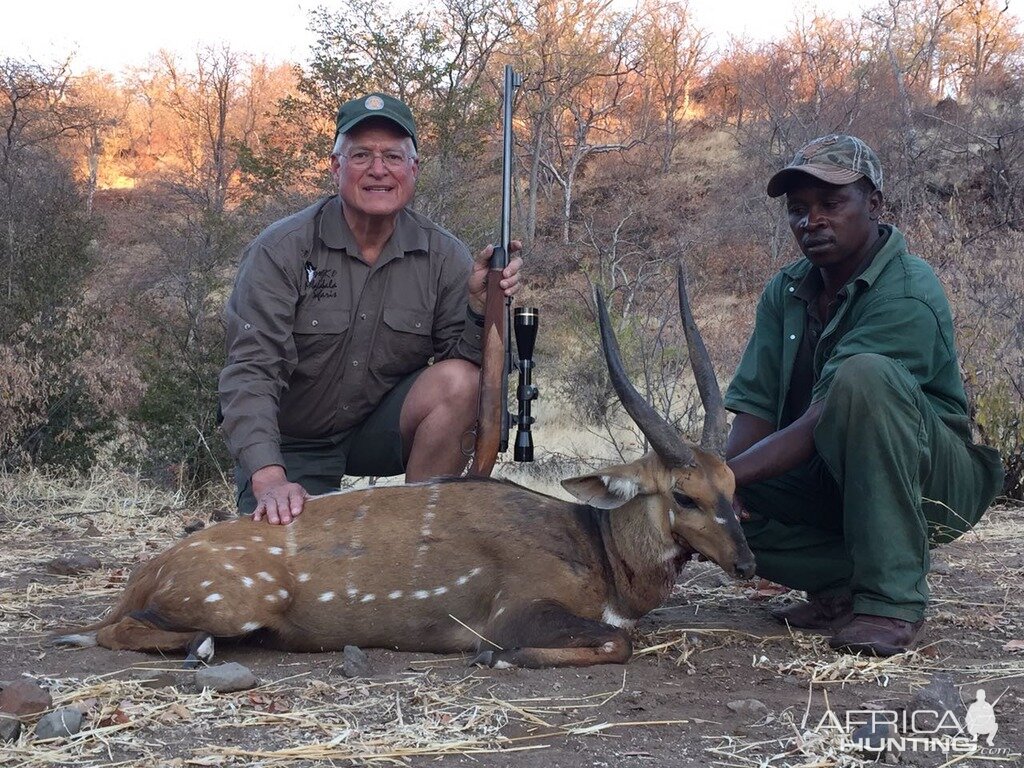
(438, 708)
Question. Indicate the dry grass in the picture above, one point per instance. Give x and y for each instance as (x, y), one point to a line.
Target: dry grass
(435, 710)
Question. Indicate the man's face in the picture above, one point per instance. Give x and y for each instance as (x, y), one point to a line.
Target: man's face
(832, 224)
(379, 189)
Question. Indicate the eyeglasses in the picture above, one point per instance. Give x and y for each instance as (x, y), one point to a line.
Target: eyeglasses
(361, 159)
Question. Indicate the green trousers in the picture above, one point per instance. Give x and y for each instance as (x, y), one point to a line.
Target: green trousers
(889, 480)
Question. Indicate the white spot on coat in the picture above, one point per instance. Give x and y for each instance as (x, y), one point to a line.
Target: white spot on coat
(196, 544)
(421, 594)
(270, 598)
(283, 593)
(303, 577)
(257, 538)
(720, 520)
(368, 598)
(326, 597)
(395, 595)
(228, 567)
(440, 590)
(275, 550)
(247, 581)
(205, 584)
(251, 626)
(266, 577)
(215, 597)
(351, 592)
(235, 548)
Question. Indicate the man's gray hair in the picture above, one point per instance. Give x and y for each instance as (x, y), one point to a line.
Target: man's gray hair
(339, 145)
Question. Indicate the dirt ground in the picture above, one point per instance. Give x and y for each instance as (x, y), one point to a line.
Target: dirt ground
(711, 645)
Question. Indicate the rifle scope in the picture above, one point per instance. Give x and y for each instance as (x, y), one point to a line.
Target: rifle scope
(526, 319)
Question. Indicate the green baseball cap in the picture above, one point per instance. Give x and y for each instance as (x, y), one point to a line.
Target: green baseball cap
(836, 159)
(353, 112)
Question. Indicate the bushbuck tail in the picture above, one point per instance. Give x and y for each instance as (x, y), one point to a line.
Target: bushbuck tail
(457, 565)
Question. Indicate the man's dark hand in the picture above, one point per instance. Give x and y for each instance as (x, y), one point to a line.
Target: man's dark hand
(739, 509)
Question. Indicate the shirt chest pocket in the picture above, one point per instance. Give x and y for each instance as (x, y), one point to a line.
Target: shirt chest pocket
(404, 341)
(319, 337)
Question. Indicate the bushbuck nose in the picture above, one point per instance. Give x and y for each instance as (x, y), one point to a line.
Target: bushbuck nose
(745, 566)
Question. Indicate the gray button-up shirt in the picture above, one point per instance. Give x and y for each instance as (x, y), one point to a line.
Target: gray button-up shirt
(316, 337)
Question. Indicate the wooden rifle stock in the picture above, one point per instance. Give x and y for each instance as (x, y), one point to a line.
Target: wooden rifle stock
(492, 415)
(492, 425)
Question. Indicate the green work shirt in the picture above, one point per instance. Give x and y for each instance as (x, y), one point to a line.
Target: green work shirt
(896, 307)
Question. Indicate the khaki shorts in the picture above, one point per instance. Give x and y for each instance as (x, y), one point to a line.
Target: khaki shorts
(374, 448)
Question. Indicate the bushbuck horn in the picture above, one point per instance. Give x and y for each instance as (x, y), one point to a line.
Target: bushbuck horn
(715, 424)
(664, 438)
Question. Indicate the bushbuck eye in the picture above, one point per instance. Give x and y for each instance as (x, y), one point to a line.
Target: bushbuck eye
(683, 500)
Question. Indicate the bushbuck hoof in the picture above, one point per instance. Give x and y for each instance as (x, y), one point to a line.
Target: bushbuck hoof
(200, 650)
(75, 641)
(483, 659)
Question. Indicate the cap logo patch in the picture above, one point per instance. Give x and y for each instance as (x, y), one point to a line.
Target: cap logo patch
(374, 103)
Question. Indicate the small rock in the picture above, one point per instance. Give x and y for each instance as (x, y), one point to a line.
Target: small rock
(940, 696)
(748, 707)
(10, 728)
(941, 568)
(870, 737)
(194, 525)
(66, 721)
(356, 663)
(25, 698)
(72, 564)
(226, 678)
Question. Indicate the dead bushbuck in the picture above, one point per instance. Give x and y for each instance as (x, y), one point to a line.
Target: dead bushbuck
(457, 565)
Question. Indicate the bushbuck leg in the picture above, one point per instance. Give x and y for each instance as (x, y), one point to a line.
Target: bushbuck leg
(131, 633)
(547, 634)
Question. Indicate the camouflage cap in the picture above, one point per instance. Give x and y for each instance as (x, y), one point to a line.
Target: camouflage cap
(353, 112)
(836, 159)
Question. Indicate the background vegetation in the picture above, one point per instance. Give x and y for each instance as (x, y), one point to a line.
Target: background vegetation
(125, 200)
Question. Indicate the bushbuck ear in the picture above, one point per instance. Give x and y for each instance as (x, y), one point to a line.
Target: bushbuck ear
(610, 488)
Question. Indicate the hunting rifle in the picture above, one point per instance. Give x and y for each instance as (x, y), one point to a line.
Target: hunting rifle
(493, 417)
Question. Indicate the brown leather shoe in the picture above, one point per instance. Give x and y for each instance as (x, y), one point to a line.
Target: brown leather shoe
(823, 613)
(876, 635)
